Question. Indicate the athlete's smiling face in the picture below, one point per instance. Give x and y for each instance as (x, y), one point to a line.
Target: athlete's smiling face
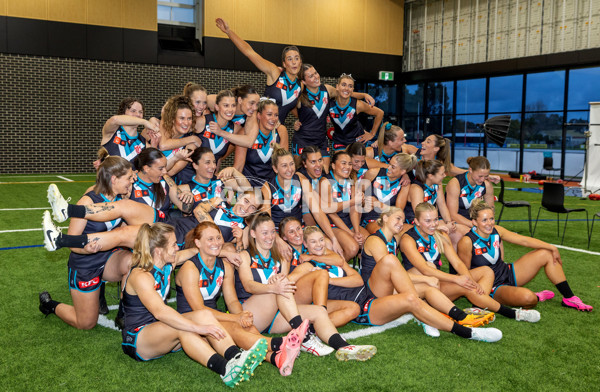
(269, 117)
(135, 110)
(205, 167)
(394, 170)
(285, 167)
(292, 233)
(264, 234)
(183, 121)
(312, 78)
(198, 99)
(246, 205)
(156, 170)
(345, 88)
(315, 243)
(249, 104)
(479, 176)
(342, 166)
(314, 164)
(357, 161)
(226, 108)
(398, 142)
(122, 185)
(485, 222)
(394, 222)
(438, 177)
(427, 222)
(168, 254)
(210, 242)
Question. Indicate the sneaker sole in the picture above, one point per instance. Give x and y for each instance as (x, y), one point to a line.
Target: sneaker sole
(259, 350)
(361, 355)
(53, 193)
(291, 349)
(575, 307)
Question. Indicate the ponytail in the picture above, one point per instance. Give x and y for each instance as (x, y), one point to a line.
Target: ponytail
(148, 239)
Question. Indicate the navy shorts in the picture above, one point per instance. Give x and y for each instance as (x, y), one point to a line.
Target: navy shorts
(509, 280)
(86, 280)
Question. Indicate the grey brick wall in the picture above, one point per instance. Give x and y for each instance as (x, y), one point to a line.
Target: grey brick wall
(52, 109)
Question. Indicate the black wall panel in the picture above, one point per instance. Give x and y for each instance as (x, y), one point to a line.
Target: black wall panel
(66, 40)
(140, 46)
(104, 43)
(3, 34)
(27, 36)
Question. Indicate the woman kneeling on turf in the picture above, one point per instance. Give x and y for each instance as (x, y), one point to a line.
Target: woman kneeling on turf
(153, 329)
(482, 246)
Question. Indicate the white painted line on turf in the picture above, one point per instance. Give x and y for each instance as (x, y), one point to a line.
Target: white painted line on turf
(21, 230)
(47, 175)
(359, 333)
(589, 252)
(24, 209)
(65, 178)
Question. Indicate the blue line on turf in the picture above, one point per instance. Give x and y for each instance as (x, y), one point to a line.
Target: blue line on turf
(22, 247)
(541, 220)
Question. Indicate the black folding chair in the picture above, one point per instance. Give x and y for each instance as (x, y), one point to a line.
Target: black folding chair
(512, 204)
(553, 200)
(597, 214)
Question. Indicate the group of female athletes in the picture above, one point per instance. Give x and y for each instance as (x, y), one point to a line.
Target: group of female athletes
(274, 233)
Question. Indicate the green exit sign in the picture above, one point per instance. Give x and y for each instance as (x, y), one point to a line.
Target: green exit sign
(386, 75)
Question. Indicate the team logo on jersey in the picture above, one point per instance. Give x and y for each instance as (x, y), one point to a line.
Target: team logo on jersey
(289, 92)
(216, 143)
(342, 116)
(384, 190)
(239, 119)
(128, 148)
(263, 149)
(319, 103)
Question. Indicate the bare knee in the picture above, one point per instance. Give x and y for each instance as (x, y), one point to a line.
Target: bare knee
(389, 261)
(350, 249)
(544, 254)
(86, 324)
(413, 300)
(530, 300)
(203, 317)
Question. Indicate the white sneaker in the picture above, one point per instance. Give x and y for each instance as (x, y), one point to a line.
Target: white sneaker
(51, 232)
(242, 366)
(489, 335)
(428, 329)
(531, 315)
(58, 203)
(316, 347)
(356, 353)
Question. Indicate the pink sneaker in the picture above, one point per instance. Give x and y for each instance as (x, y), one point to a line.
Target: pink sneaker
(575, 303)
(290, 348)
(545, 295)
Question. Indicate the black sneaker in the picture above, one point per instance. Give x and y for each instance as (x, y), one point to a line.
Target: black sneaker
(46, 306)
(103, 308)
(120, 319)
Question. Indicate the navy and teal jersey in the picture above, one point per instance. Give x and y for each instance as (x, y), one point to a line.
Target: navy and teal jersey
(314, 182)
(205, 191)
(136, 314)
(345, 123)
(296, 257)
(428, 248)
(285, 93)
(487, 252)
(226, 219)
(468, 194)
(385, 158)
(313, 130)
(361, 172)
(210, 283)
(429, 195)
(285, 202)
(143, 192)
(334, 292)
(258, 166)
(341, 193)
(262, 269)
(386, 191)
(99, 259)
(217, 144)
(367, 263)
(239, 119)
(125, 146)
(171, 153)
(183, 226)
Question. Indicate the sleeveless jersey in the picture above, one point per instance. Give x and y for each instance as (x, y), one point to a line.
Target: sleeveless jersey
(262, 269)
(296, 257)
(314, 119)
(384, 157)
(143, 192)
(258, 167)
(427, 248)
(429, 196)
(136, 314)
(285, 202)
(239, 119)
(285, 93)
(226, 219)
(345, 123)
(367, 263)
(125, 146)
(205, 191)
(341, 193)
(487, 252)
(385, 191)
(217, 144)
(95, 260)
(361, 172)
(314, 182)
(468, 194)
(210, 283)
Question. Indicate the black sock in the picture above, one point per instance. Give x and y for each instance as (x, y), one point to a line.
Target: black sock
(231, 352)
(295, 322)
(273, 359)
(276, 344)
(76, 211)
(462, 331)
(565, 289)
(53, 304)
(217, 363)
(457, 314)
(311, 329)
(336, 341)
(71, 241)
(507, 312)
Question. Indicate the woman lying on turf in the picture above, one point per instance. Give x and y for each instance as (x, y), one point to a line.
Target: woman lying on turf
(422, 247)
(200, 282)
(265, 291)
(347, 285)
(482, 246)
(87, 269)
(153, 329)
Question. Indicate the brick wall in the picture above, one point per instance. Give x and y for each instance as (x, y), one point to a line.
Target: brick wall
(52, 109)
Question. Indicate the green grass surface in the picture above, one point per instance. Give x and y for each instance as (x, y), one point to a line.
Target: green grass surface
(559, 353)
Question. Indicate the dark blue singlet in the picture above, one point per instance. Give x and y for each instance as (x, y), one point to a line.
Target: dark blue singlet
(285, 203)
(313, 131)
(209, 283)
(346, 124)
(384, 157)
(429, 196)
(217, 144)
(468, 194)
(367, 263)
(385, 191)
(314, 182)
(226, 219)
(428, 248)
(143, 192)
(262, 269)
(487, 253)
(258, 166)
(125, 146)
(341, 193)
(285, 93)
(205, 191)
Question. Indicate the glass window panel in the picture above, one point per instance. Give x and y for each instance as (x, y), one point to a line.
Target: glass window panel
(413, 129)
(385, 97)
(188, 2)
(183, 15)
(413, 99)
(468, 138)
(506, 158)
(575, 143)
(439, 98)
(470, 96)
(542, 133)
(441, 125)
(506, 94)
(164, 13)
(545, 91)
(583, 87)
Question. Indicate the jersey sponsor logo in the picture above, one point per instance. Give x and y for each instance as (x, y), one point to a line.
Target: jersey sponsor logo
(342, 118)
(138, 193)
(89, 283)
(161, 214)
(320, 104)
(117, 140)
